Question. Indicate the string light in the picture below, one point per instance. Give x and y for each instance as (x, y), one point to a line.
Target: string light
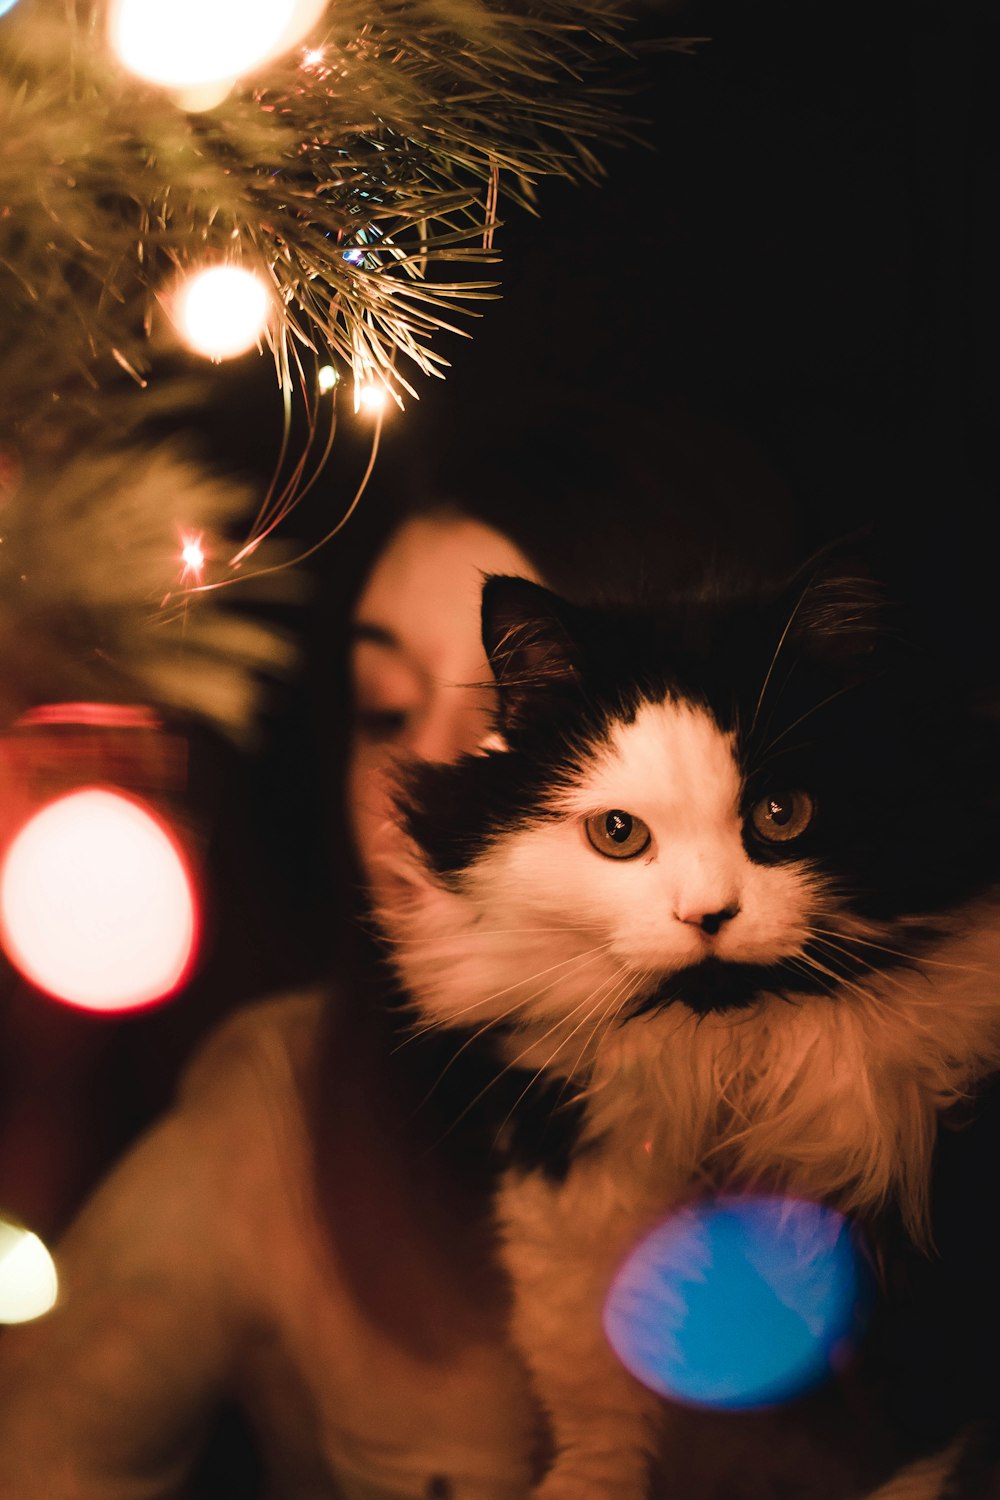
(29, 1285)
(97, 905)
(327, 378)
(371, 398)
(186, 43)
(222, 311)
(199, 98)
(192, 557)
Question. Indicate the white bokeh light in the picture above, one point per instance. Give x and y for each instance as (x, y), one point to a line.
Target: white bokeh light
(222, 311)
(187, 43)
(28, 1281)
(372, 398)
(97, 906)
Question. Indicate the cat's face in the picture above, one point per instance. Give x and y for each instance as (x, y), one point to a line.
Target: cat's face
(724, 805)
(650, 850)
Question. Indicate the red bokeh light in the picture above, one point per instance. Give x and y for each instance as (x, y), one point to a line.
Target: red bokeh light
(97, 902)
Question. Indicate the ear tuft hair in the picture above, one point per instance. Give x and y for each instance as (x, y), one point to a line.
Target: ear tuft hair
(530, 646)
(842, 611)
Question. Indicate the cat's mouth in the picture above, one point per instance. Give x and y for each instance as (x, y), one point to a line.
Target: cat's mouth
(715, 986)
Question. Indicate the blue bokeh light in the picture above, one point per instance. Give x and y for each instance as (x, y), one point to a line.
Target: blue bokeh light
(6, 5)
(739, 1302)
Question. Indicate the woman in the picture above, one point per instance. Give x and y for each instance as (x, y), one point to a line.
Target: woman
(202, 1264)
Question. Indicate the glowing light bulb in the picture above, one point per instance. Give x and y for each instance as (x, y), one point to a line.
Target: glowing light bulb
(327, 378)
(185, 43)
(222, 311)
(739, 1303)
(29, 1285)
(372, 398)
(192, 556)
(96, 903)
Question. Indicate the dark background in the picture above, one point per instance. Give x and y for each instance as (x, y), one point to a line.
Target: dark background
(797, 265)
(795, 277)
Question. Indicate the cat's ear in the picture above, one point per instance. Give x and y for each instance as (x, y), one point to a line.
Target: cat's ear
(529, 645)
(840, 610)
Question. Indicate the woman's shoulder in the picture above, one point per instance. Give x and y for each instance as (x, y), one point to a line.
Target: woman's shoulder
(265, 1045)
(227, 1163)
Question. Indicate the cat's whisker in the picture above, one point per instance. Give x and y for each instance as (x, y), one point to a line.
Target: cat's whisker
(914, 958)
(475, 932)
(623, 996)
(475, 1036)
(547, 1064)
(616, 987)
(838, 948)
(840, 982)
(886, 977)
(469, 1041)
(800, 969)
(616, 1003)
(631, 986)
(508, 1066)
(812, 971)
(587, 956)
(844, 973)
(774, 658)
(812, 964)
(768, 749)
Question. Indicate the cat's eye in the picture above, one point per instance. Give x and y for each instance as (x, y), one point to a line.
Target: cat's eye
(617, 834)
(782, 816)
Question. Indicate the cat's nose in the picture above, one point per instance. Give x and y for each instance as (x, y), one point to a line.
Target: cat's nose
(709, 921)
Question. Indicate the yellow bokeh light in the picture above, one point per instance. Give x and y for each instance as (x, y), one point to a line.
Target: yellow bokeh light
(192, 556)
(29, 1285)
(181, 43)
(222, 311)
(372, 398)
(327, 378)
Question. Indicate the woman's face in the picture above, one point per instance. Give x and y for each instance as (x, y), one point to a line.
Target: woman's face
(422, 688)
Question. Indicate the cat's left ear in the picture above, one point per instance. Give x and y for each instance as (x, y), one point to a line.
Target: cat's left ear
(530, 647)
(841, 610)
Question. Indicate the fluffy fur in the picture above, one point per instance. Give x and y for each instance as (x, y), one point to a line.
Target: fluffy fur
(785, 987)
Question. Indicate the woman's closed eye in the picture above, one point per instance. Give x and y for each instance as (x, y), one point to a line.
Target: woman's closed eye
(382, 726)
(390, 693)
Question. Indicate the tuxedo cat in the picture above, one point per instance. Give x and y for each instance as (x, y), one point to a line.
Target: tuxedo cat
(716, 896)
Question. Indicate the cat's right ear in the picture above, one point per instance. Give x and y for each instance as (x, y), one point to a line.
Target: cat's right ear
(529, 646)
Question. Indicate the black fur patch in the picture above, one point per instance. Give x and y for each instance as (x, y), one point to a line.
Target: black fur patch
(470, 1104)
(717, 986)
